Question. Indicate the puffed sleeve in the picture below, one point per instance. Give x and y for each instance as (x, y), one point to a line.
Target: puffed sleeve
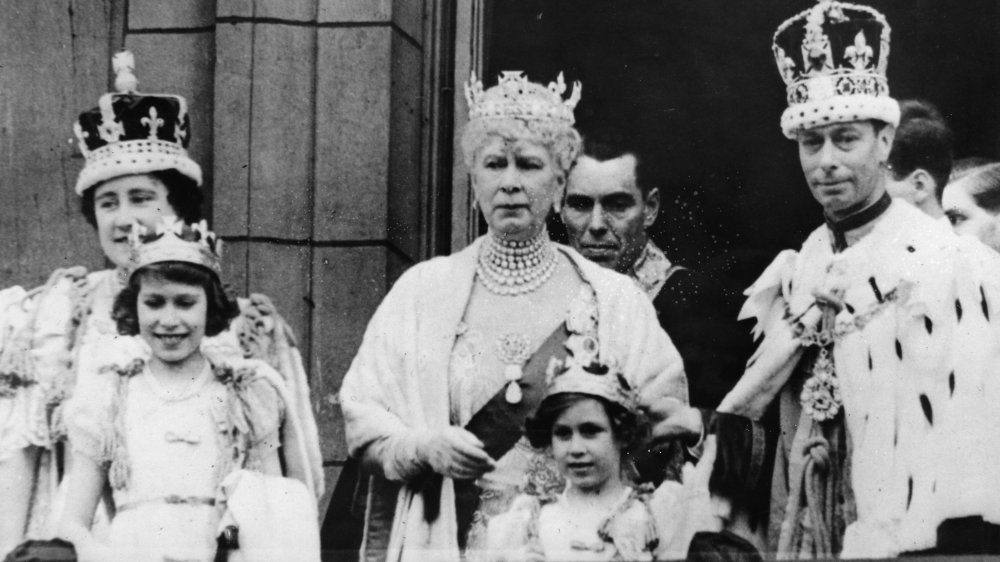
(255, 405)
(89, 417)
(261, 333)
(269, 411)
(273, 422)
(55, 309)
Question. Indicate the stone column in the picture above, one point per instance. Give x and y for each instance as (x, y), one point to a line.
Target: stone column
(317, 145)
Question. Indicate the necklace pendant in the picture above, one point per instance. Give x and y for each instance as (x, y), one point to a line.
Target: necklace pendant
(513, 394)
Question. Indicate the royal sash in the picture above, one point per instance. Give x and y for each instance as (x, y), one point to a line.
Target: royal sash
(499, 425)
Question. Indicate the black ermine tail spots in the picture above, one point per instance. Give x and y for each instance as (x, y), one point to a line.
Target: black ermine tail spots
(982, 303)
(875, 289)
(925, 404)
(909, 492)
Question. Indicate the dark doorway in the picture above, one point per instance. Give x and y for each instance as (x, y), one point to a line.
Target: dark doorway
(696, 84)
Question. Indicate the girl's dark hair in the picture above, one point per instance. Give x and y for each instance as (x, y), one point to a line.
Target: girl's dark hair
(222, 307)
(183, 194)
(624, 424)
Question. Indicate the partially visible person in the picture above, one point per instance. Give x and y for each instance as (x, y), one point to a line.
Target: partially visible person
(455, 357)
(164, 421)
(964, 166)
(612, 199)
(589, 423)
(972, 204)
(137, 171)
(921, 157)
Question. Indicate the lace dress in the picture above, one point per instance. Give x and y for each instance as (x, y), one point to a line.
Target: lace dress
(166, 455)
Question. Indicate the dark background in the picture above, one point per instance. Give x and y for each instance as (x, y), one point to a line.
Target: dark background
(695, 84)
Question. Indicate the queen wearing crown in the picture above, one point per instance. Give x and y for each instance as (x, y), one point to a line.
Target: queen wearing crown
(137, 171)
(454, 359)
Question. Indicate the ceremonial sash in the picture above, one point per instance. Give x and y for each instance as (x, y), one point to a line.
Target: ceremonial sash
(499, 424)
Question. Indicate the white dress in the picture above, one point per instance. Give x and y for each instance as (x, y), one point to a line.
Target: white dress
(55, 337)
(643, 524)
(166, 456)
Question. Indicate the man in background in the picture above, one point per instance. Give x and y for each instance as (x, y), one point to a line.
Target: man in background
(921, 157)
(612, 199)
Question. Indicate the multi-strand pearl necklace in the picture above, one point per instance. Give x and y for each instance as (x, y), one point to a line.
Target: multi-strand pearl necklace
(516, 268)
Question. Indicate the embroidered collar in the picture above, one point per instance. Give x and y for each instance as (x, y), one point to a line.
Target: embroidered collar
(650, 270)
(840, 228)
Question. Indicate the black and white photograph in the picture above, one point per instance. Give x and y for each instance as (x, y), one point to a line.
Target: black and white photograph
(499, 280)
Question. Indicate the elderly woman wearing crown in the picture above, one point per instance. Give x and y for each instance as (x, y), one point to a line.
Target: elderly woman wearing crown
(454, 359)
(137, 171)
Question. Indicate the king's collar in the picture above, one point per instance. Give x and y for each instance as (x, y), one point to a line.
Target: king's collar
(852, 228)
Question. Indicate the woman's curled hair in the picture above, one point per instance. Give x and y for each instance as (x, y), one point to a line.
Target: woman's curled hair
(562, 141)
(221, 306)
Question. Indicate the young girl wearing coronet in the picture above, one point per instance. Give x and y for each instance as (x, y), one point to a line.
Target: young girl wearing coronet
(588, 421)
(164, 421)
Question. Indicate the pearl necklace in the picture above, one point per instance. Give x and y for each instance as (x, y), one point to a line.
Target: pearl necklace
(515, 268)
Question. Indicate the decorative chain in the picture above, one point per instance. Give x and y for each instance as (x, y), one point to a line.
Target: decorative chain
(809, 335)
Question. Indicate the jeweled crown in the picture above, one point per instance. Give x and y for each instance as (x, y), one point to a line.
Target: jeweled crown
(173, 240)
(133, 133)
(582, 372)
(833, 59)
(515, 97)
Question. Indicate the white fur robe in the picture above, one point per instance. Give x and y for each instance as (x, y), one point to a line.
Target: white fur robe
(920, 379)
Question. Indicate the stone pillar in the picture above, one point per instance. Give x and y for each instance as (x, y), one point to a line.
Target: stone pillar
(54, 63)
(318, 192)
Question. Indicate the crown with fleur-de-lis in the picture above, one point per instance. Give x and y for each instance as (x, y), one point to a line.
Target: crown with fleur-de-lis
(133, 133)
(582, 372)
(174, 241)
(833, 59)
(515, 97)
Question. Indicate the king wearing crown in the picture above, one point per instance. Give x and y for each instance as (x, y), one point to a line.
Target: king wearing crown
(879, 338)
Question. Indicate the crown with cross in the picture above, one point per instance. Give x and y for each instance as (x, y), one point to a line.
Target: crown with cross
(833, 59)
(133, 133)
